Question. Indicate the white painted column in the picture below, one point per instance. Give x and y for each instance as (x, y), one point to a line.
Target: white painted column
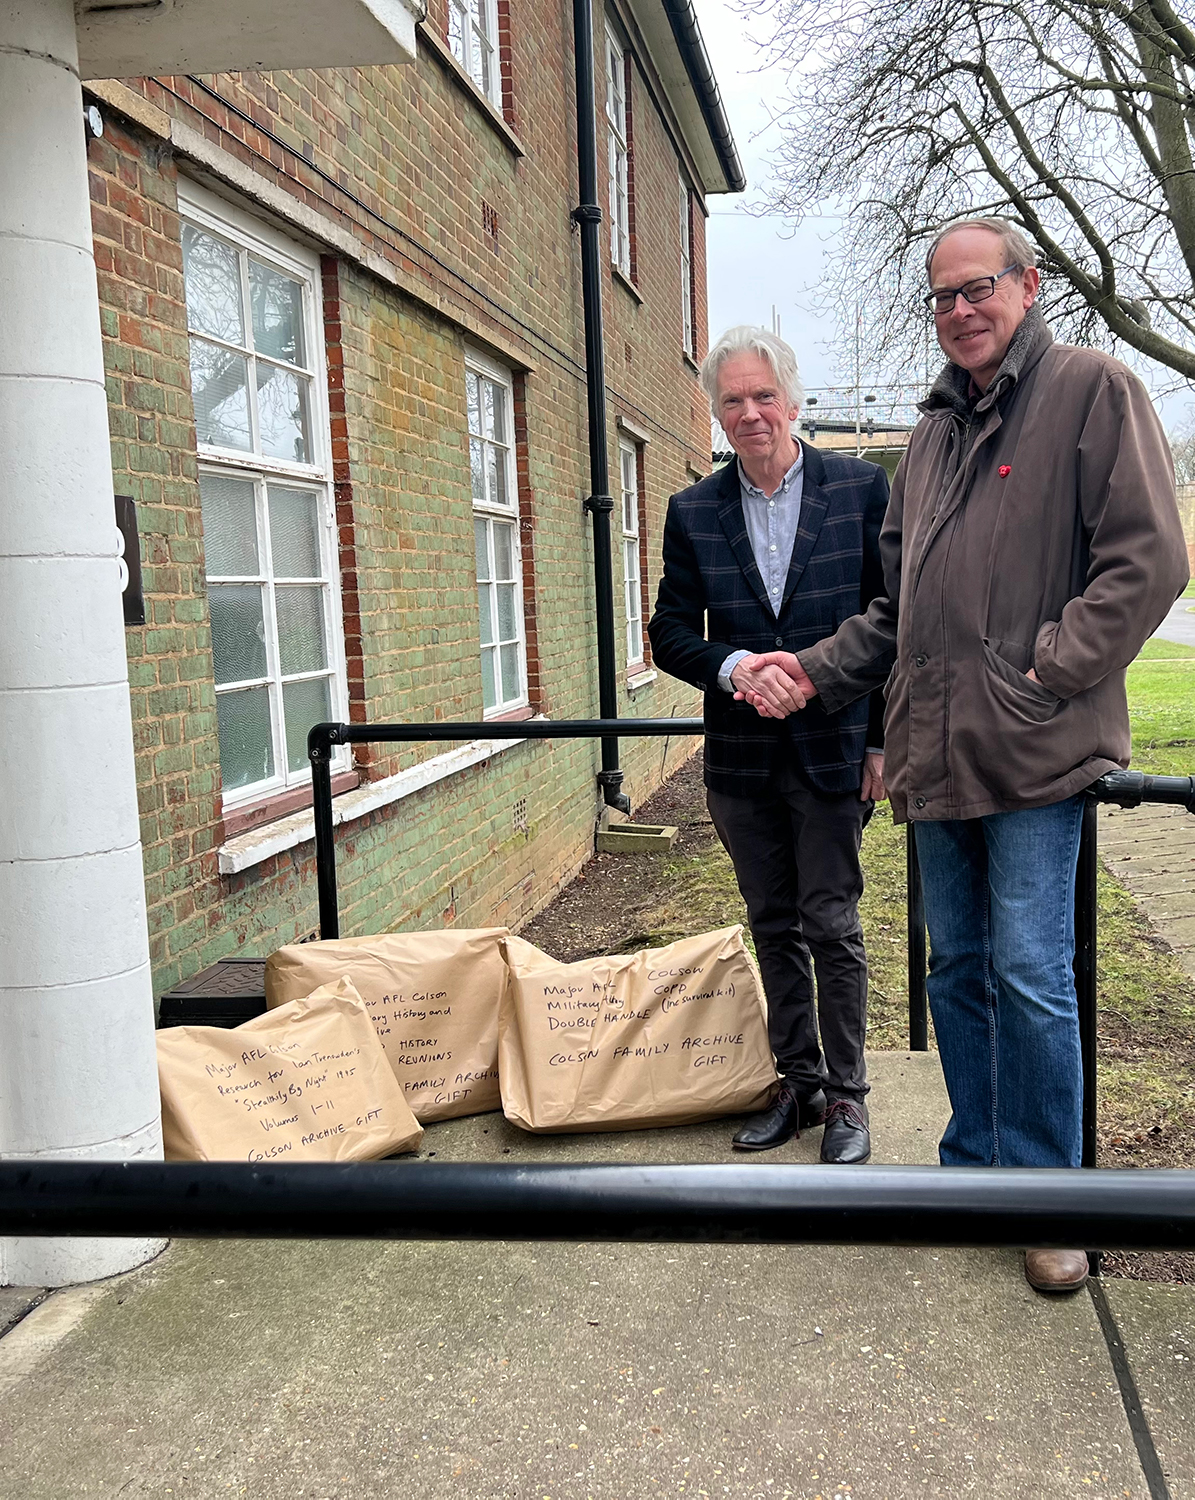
(77, 1069)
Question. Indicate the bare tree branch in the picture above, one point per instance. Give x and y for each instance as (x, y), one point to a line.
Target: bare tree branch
(1075, 118)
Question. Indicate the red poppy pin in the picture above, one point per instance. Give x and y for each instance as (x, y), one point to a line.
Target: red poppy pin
(1005, 470)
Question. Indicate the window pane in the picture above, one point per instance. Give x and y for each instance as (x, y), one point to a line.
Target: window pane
(473, 397)
(483, 552)
(246, 748)
(294, 540)
(488, 399)
(508, 628)
(504, 567)
(489, 690)
(477, 469)
(631, 564)
(303, 704)
(496, 465)
(229, 526)
(282, 414)
(211, 275)
(477, 68)
(499, 417)
(238, 631)
(511, 686)
(300, 629)
(218, 388)
(456, 30)
(277, 304)
(634, 641)
(486, 55)
(485, 599)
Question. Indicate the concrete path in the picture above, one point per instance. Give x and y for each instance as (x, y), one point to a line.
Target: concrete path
(559, 1372)
(1151, 849)
(1179, 624)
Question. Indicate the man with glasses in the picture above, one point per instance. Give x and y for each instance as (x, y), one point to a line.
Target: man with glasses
(1031, 546)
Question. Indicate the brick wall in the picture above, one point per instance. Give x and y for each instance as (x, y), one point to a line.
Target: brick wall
(390, 168)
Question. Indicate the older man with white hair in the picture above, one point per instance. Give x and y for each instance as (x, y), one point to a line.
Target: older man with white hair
(772, 553)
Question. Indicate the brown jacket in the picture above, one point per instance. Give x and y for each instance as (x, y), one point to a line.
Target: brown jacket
(1034, 527)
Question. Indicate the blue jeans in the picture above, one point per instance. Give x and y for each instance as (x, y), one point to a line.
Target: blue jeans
(1000, 909)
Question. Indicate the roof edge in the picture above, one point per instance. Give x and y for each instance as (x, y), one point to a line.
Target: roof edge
(691, 45)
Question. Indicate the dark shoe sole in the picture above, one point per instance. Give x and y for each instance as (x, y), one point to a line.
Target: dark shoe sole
(862, 1162)
(771, 1145)
(1053, 1288)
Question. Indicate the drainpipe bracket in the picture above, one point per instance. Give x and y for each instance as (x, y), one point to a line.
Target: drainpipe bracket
(586, 213)
(602, 503)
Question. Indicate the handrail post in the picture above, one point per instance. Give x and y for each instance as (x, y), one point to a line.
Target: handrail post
(1085, 969)
(918, 1016)
(319, 750)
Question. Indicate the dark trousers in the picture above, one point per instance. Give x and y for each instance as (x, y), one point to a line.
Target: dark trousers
(796, 857)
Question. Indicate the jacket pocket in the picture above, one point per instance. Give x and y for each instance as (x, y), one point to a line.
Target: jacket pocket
(1032, 699)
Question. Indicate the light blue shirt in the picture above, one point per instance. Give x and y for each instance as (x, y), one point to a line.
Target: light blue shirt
(772, 522)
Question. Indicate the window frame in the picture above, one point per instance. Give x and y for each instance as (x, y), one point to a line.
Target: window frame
(618, 151)
(491, 512)
(463, 34)
(250, 237)
(632, 582)
(688, 299)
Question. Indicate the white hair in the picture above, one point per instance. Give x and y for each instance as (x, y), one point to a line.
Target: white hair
(747, 339)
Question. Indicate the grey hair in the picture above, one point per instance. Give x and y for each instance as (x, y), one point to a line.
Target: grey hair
(1018, 248)
(748, 339)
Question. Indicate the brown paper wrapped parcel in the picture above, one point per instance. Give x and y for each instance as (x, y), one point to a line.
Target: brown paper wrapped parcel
(668, 1036)
(306, 1082)
(433, 997)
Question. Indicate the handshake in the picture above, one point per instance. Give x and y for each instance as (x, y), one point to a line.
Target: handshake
(775, 684)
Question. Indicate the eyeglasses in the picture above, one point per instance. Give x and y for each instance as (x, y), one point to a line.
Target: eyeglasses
(978, 290)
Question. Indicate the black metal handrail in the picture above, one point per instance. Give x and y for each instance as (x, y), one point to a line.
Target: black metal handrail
(1124, 788)
(323, 736)
(756, 1204)
(761, 1203)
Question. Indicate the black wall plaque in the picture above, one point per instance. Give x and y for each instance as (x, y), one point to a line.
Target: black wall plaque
(126, 521)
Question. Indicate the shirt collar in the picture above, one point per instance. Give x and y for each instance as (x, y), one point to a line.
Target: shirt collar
(785, 484)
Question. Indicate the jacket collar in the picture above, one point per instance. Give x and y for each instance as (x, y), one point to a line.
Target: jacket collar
(730, 517)
(813, 512)
(953, 391)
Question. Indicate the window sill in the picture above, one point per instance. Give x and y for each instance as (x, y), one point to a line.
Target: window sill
(690, 361)
(640, 677)
(511, 715)
(444, 56)
(240, 820)
(624, 281)
(259, 844)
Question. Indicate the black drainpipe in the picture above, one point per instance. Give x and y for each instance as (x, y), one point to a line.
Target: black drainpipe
(600, 503)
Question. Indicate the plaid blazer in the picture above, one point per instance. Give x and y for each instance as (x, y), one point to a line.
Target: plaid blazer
(712, 601)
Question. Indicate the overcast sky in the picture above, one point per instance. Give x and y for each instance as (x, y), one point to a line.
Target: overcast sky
(757, 262)
(753, 262)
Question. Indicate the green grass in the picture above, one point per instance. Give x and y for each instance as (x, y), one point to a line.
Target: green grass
(1189, 591)
(1162, 710)
(1160, 650)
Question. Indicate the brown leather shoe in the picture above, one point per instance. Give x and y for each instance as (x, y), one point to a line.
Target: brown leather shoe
(1056, 1270)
